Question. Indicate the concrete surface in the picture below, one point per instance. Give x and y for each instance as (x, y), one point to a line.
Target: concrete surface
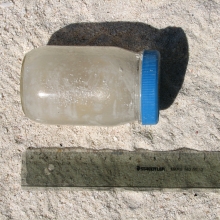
(189, 116)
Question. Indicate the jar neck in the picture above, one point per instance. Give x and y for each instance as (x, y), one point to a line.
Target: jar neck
(137, 95)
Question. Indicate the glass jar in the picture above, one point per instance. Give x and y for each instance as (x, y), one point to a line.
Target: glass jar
(90, 85)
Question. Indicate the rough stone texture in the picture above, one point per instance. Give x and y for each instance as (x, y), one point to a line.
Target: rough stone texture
(191, 120)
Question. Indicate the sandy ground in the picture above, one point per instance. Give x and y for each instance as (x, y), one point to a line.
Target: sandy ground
(189, 116)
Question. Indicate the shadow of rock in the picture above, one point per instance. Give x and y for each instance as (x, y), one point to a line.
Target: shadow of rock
(171, 42)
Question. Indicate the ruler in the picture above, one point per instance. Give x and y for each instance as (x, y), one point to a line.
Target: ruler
(70, 167)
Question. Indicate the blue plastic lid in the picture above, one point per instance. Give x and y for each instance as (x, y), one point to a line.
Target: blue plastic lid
(150, 87)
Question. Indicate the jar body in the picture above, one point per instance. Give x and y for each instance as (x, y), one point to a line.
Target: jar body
(81, 85)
